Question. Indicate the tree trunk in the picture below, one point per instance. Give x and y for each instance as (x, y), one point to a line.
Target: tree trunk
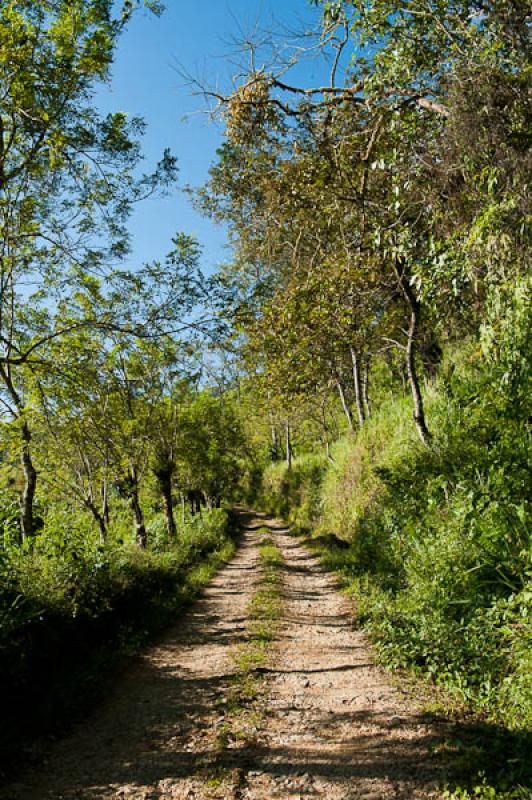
(326, 434)
(288, 446)
(99, 517)
(106, 512)
(365, 387)
(345, 405)
(30, 484)
(419, 412)
(275, 443)
(139, 528)
(27, 522)
(415, 312)
(165, 485)
(357, 385)
(103, 528)
(169, 511)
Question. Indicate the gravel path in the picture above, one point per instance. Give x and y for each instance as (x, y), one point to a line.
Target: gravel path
(329, 724)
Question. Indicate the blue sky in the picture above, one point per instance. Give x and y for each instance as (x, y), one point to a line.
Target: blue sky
(145, 82)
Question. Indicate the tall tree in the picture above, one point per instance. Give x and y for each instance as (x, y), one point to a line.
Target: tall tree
(354, 164)
(68, 179)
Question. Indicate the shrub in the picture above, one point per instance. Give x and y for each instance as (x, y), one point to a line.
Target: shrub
(294, 493)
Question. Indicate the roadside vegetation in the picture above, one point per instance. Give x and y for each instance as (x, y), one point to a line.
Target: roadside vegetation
(115, 455)
(434, 549)
(433, 543)
(73, 611)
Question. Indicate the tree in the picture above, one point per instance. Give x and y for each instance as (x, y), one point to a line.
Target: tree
(68, 179)
(352, 166)
(210, 446)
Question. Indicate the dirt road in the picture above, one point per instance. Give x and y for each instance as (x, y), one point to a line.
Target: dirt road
(329, 724)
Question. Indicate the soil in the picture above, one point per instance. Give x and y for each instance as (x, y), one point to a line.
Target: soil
(329, 723)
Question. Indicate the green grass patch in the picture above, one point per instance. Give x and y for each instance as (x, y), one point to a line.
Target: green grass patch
(240, 703)
(265, 608)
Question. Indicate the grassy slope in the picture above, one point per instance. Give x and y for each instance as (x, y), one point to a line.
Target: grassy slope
(433, 543)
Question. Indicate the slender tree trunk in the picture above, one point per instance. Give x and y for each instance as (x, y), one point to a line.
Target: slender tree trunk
(419, 411)
(99, 517)
(168, 505)
(326, 434)
(275, 443)
(139, 527)
(415, 313)
(103, 528)
(27, 497)
(345, 405)
(365, 387)
(165, 485)
(288, 446)
(106, 513)
(30, 484)
(357, 384)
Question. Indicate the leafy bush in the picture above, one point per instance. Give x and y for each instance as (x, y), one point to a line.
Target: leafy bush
(294, 493)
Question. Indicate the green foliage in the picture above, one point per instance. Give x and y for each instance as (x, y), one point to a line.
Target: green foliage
(486, 791)
(210, 443)
(382, 240)
(433, 543)
(294, 493)
(65, 571)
